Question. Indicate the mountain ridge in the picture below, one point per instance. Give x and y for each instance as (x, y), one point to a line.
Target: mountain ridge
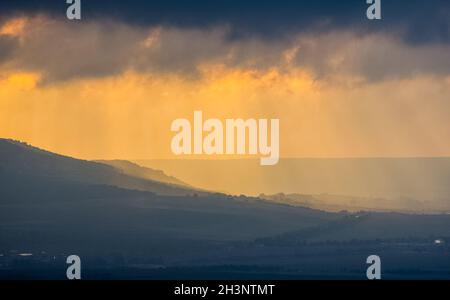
(135, 170)
(20, 157)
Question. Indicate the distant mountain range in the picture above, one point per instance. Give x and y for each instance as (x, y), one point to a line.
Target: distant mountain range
(338, 203)
(398, 184)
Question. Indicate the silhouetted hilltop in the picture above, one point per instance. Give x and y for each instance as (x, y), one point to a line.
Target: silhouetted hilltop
(17, 158)
(138, 171)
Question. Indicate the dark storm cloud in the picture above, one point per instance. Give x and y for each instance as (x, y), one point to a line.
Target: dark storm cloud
(328, 38)
(421, 21)
(7, 47)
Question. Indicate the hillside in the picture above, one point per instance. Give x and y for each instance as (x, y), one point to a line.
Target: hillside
(39, 187)
(20, 159)
(135, 170)
(52, 206)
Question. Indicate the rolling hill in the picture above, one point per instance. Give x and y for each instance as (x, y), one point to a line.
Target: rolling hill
(52, 206)
(132, 169)
(42, 190)
(22, 160)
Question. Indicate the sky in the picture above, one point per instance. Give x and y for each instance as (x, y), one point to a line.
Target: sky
(109, 86)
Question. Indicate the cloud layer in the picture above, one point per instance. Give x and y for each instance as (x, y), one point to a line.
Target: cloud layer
(110, 86)
(420, 21)
(60, 51)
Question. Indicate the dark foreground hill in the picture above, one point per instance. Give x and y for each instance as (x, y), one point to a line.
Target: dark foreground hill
(45, 193)
(52, 206)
